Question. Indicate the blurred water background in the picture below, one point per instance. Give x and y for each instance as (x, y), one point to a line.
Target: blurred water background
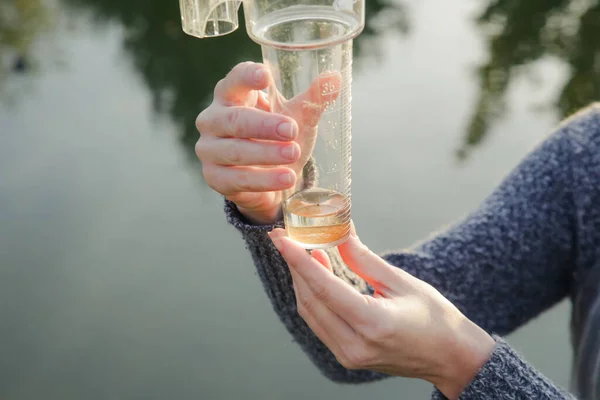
(119, 278)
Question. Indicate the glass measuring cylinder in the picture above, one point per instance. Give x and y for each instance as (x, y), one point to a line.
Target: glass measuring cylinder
(307, 46)
(309, 54)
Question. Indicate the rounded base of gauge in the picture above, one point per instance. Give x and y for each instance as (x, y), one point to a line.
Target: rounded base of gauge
(321, 246)
(317, 218)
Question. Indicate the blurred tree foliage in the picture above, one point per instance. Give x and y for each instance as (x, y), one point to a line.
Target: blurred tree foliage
(181, 71)
(21, 22)
(520, 32)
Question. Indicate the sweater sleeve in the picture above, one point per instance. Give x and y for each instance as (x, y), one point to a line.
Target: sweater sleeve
(502, 265)
(514, 256)
(507, 376)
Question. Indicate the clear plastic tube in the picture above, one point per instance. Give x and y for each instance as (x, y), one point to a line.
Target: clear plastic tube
(309, 52)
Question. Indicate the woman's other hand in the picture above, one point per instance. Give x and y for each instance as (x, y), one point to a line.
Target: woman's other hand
(407, 328)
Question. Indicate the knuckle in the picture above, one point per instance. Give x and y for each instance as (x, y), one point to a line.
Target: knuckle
(220, 86)
(360, 358)
(265, 129)
(233, 153)
(347, 361)
(305, 302)
(341, 359)
(209, 173)
(240, 71)
(348, 364)
(320, 291)
(354, 357)
(379, 331)
(243, 181)
(233, 121)
(301, 310)
(244, 68)
(200, 149)
(202, 121)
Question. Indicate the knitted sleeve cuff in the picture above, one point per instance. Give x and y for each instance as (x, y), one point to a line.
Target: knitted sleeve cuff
(235, 218)
(507, 376)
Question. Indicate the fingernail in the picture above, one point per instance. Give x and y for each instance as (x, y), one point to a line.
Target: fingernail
(277, 243)
(259, 75)
(289, 152)
(286, 178)
(285, 130)
(275, 237)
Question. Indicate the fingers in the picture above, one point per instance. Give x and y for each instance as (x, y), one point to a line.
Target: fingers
(328, 326)
(369, 266)
(336, 294)
(246, 123)
(246, 152)
(243, 78)
(232, 180)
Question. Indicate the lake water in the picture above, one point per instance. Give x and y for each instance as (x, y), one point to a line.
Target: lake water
(119, 278)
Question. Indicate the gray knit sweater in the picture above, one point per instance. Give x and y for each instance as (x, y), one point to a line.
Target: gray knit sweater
(531, 243)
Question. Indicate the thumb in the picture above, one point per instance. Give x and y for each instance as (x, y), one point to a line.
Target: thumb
(307, 107)
(385, 279)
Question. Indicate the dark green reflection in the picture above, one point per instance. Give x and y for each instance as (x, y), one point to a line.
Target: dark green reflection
(21, 23)
(181, 71)
(520, 32)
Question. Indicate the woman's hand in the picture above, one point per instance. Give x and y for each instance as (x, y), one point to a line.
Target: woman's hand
(250, 154)
(407, 328)
(245, 149)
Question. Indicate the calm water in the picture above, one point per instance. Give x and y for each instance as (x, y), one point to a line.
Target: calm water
(119, 278)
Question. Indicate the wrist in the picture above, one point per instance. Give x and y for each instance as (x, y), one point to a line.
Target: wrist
(469, 348)
(261, 217)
